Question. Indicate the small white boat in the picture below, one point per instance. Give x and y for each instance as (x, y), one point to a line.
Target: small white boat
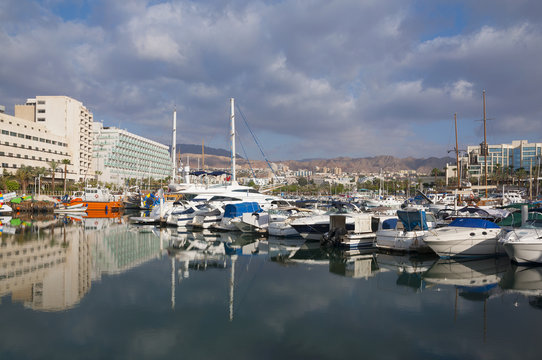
(77, 208)
(406, 232)
(524, 245)
(466, 237)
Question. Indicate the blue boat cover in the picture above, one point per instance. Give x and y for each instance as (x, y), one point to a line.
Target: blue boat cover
(474, 223)
(234, 210)
(389, 224)
(413, 219)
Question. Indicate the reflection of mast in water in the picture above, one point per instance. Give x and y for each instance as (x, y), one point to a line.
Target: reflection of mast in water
(232, 283)
(172, 283)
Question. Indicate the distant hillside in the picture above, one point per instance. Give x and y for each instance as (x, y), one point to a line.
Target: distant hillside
(373, 164)
(220, 158)
(196, 149)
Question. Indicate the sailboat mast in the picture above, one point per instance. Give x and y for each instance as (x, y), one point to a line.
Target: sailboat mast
(457, 157)
(232, 135)
(173, 145)
(486, 150)
(202, 155)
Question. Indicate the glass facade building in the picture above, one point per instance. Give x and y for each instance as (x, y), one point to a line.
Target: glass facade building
(519, 154)
(120, 155)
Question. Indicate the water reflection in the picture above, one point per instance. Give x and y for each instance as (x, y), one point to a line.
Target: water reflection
(526, 281)
(49, 263)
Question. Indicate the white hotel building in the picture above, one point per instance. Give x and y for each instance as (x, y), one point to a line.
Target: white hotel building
(64, 117)
(120, 155)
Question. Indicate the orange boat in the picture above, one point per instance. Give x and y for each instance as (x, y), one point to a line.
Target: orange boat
(98, 199)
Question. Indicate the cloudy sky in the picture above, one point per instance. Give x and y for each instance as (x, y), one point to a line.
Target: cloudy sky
(313, 78)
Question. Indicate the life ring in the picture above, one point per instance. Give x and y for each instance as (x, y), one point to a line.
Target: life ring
(96, 196)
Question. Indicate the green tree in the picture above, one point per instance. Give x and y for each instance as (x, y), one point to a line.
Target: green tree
(23, 175)
(521, 174)
(435, 172)
(302, 181)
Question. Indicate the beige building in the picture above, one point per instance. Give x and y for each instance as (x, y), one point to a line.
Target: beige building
(24, 142)
(67, 118)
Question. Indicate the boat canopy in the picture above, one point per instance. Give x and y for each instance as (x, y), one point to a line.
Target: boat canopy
(474, 223)
(413, 220)
(234, 210)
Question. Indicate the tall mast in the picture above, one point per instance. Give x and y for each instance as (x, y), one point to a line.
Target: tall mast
(232, 135)
(486, 150)
(173, 145)
(202, 155)
(457, 157)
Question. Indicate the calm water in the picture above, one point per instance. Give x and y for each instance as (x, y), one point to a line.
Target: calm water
(99, 288)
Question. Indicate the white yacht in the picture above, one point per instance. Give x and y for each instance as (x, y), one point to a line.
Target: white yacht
(465, 237)
(406, 232)
(524, 244)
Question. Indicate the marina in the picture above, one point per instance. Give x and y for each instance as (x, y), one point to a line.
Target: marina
(102, 287)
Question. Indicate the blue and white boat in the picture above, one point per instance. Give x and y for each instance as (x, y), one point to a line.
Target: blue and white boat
(233, 213)
(466, 237)
(406, 232)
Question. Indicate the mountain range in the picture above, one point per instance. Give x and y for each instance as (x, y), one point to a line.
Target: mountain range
(220, 158)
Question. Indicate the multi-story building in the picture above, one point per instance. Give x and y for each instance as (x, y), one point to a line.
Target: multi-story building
(67, 118)
(120, 155)
(519, 154)
(25, 142)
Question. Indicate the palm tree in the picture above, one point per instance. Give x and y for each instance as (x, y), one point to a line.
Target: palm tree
(497, 172)
(66, 162)
(521, 174)
(54, 165)
(23, 174)
(435, 173)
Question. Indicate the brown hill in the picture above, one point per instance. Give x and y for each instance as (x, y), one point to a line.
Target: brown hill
(351, 165)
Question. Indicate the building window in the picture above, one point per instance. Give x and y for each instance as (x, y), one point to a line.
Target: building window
(41, 102)
(41, 119)
(42, 140)
(12, 133)
(28, 137)
(21, 136)
(41, 111)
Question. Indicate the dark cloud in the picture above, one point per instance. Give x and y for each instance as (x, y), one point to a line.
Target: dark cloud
(308, 75)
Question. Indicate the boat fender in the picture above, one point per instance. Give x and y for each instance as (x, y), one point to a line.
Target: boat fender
(96, 196)
(106, 209)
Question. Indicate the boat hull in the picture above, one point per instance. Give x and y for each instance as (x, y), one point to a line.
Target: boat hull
(524, 252)
(410, 241)
(464, 242)
(99, 205)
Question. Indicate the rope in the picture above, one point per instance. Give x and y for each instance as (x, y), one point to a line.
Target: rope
(256, 141)
(246, 157)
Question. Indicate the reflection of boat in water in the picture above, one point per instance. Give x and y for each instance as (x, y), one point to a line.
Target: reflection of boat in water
(409, 267)
(483, 274)
(361, 264)
(524, 280)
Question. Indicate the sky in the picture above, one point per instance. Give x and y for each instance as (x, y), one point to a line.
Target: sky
(313, 78)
